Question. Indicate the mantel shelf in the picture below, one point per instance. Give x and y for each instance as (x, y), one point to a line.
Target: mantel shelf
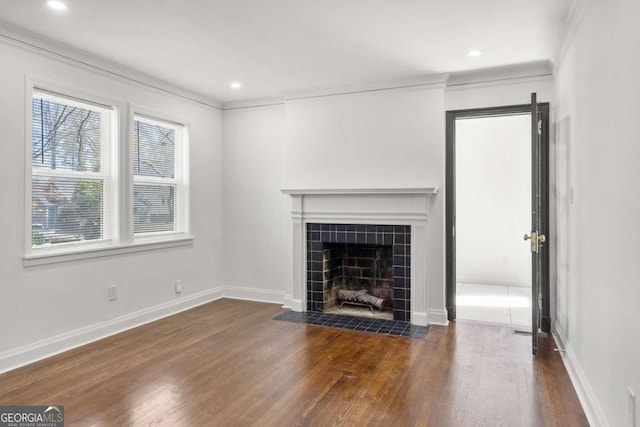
(354, 191)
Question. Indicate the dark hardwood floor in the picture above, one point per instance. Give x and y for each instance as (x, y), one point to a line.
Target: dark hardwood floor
(228, 363)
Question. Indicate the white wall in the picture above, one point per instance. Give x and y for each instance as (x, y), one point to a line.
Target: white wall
(257, 215)
(381, 138)
(392, 138)
(375, 139)
(45, 301)
(598, 205)
(493, 200)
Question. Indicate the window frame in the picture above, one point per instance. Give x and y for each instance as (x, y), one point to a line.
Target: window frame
(180, 175)
(118, 185)
(109, 110)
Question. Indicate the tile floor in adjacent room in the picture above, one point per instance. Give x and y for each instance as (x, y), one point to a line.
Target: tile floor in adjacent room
(510, 305)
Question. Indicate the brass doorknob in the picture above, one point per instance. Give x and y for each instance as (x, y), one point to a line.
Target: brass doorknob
(527, 237)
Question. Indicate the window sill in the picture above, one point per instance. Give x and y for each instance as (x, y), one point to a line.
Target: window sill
(104, 251)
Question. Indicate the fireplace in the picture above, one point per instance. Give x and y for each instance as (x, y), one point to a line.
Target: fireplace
(359, 269)
(396, 217)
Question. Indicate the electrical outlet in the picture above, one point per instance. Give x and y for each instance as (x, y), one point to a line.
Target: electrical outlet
(112, 292)
(178, 286)
(632, 408)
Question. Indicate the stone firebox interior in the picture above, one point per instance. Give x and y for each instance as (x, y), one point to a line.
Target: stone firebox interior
(350, 269)
(357, 257)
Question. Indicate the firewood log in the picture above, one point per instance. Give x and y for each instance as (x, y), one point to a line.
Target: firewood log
(374, 301)
(361, 296)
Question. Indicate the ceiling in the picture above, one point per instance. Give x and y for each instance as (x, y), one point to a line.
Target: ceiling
(279, 47)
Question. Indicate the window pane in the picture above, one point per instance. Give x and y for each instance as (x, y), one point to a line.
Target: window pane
(154, 208)
(153, 150)
(65, 137)
(66, 210)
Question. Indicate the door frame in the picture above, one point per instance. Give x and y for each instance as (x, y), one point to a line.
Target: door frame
(450, 197)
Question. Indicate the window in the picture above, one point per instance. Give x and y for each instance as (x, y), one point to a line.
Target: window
(71, 179)
(78, 202)
(159, 190)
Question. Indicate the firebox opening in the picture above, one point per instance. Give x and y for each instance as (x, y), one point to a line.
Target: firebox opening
(358, 279)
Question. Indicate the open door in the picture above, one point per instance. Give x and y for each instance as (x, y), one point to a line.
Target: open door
(540, 286)
(537, 236)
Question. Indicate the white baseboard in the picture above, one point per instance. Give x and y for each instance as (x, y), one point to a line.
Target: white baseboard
(292, 304)
(438, 317)
(287, 301)
(296, 305)
(254, 294)
(419, 318)
(590, 405)
(48, 347)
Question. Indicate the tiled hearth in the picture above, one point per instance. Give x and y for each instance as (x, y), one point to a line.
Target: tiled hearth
(376, 326)
(342, 238)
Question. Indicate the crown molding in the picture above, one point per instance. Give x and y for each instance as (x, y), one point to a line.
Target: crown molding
(424, 82)
(512, 74)
(571, 24)
(255, 103)
(499, 82)
(501, 75)
(30, 41)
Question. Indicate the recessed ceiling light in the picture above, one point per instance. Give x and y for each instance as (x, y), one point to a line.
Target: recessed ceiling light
(236, 85)
(57, 5)
(474, 52)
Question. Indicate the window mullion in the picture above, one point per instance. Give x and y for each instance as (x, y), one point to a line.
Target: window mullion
(57, 173)
(157, 181)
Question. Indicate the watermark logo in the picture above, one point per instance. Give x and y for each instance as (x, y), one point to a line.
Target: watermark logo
(31, 416)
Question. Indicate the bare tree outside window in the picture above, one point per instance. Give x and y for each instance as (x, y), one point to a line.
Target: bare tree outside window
(154, 190)
(65, 139)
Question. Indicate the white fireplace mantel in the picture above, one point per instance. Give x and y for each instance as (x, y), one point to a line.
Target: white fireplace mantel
(376, 206)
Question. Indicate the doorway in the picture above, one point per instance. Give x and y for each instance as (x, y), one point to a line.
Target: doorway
(489, 192)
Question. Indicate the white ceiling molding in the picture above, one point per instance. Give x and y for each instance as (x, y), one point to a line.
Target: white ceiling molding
(514, 74)
(425, 82)
(64, 53)
(501, 82)
(572, 23)
(252, 103)
(501, 75)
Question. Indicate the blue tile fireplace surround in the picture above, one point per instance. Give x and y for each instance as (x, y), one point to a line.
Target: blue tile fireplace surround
(394, 239)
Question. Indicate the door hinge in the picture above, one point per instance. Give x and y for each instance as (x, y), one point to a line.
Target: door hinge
(540, 127)
(540, 303)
